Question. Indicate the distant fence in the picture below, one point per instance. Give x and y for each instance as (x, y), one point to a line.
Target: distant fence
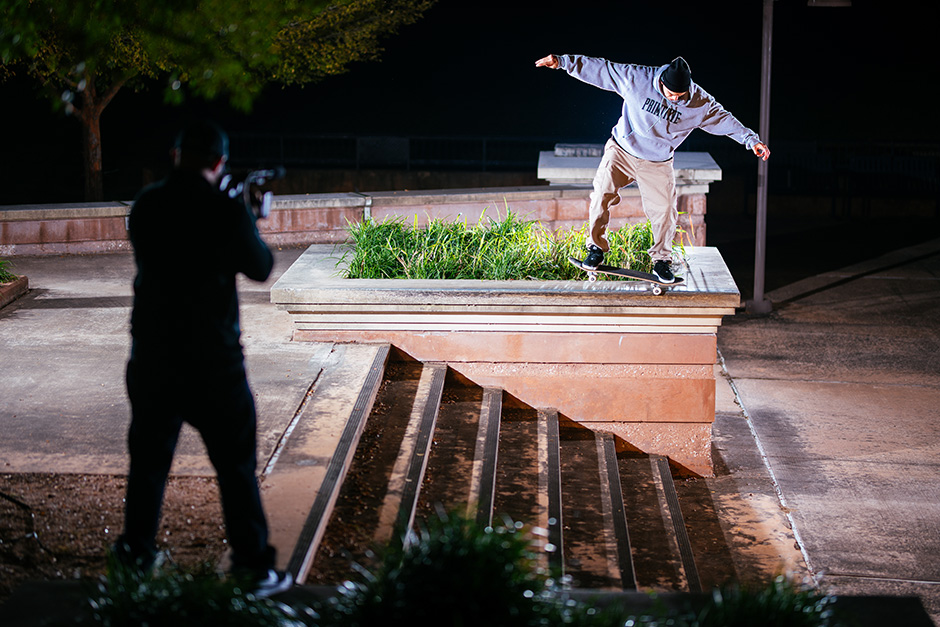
(906, 169)
(838, 168)
(376, 152)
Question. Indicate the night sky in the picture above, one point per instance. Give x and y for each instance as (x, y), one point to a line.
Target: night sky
(866, 73)
(468, 68)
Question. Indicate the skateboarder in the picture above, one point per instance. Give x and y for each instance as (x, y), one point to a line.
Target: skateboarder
(661, 106)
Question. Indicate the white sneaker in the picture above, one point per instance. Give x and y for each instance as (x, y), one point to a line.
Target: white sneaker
(274, 583)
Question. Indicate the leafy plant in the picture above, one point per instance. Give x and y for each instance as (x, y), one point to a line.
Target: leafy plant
(453, 572)
(170, 596)
(83, 52)
(493, 249)
(783, 603)
(6, 275)
(457, 572)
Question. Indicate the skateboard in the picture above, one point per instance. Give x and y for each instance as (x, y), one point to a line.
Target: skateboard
(656, 285)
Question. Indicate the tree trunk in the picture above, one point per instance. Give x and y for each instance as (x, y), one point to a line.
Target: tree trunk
(89, 114)
(91, 155)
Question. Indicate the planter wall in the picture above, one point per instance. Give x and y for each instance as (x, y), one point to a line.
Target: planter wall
(9, 292)
(609, 355)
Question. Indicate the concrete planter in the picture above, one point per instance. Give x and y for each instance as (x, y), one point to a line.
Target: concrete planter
(9, 292)
(609, 354)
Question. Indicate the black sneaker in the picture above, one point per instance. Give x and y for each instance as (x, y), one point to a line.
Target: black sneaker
(663, 270)
(595, 257)
(274, 582)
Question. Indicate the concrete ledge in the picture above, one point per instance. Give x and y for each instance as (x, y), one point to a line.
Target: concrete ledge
(63, 228)
(576, 164)
(78, 210)
(609, 354)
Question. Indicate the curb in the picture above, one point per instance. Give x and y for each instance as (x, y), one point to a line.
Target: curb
(9, 292)
(827, 280)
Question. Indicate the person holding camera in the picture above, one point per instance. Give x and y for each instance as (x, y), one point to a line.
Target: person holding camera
(186, 361)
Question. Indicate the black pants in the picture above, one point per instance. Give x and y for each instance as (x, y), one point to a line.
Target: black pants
(219, 404)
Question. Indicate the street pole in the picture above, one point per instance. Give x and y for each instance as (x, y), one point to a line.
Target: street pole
(760, 304)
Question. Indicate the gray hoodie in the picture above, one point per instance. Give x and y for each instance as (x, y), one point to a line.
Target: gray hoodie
(651, 127)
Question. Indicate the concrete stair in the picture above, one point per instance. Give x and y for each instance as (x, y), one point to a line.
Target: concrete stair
(386, 442)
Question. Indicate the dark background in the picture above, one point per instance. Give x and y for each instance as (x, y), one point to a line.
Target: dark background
(854, 130)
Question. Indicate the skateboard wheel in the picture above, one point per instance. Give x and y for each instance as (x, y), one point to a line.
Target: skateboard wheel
(657, 290)
(592, 276)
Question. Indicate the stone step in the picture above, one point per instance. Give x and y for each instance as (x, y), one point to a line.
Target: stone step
(397, 515)
(300, 489)
(596, 537)
(434, 442)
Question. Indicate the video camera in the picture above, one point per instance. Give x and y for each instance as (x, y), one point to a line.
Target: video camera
(249, 188)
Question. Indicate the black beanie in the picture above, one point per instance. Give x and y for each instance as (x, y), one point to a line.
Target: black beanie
(677, 77)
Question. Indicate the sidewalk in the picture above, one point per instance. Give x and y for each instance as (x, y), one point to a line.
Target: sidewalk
(838, 391)
(64, 349)
(840, 387)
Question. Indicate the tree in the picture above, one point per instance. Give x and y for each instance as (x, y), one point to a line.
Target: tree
(83, 52)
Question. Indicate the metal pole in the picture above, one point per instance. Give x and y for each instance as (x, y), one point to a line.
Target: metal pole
(760, 304)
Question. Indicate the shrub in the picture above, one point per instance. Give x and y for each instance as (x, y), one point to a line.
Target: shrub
(169, 596)
(783, 603)
(457, 572)
(454, 572)
(6, 275)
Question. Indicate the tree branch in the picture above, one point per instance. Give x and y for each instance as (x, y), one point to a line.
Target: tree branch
(116, 87)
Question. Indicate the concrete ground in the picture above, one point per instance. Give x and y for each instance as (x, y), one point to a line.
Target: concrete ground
(841, 388)
(64, 348)
(830, 401)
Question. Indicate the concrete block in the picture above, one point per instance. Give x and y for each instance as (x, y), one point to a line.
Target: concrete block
(687, 444)
(12, 290)
(605, 392)
(605, 352)
(518, 347)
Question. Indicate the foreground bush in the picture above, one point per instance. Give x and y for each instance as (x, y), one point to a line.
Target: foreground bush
(171, 597)
(453, 573)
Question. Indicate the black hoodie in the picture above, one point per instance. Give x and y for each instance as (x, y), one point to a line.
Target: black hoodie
(190, 241)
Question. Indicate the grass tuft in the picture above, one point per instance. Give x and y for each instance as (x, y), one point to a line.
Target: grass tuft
(498, 249)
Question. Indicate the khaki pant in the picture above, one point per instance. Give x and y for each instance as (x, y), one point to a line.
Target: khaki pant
(656, 181)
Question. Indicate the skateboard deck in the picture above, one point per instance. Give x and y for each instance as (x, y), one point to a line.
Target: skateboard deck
(657, 285)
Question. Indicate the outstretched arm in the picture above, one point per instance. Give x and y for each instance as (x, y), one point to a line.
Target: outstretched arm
(591, 70)
(550, 62)
(719, 121)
